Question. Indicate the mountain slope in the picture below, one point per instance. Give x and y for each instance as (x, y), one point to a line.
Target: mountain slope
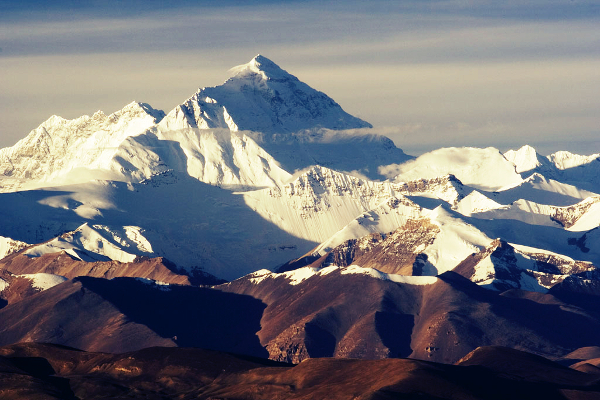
(125, 314)
(196, 226)
(360, 312)
(484, 169)
(563, 166)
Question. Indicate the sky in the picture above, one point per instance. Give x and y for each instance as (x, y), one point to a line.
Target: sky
(426, 73)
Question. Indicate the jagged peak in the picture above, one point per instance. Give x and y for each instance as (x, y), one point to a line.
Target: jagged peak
(527, 149)
(316, 171)
(132, 109)
(136, 108)
(54, 120)
(525, 159)
(536, 177)
(565, 159)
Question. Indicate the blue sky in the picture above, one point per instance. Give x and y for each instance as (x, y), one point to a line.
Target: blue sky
(426, 73)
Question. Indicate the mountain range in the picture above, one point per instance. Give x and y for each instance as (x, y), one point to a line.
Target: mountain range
(262, 200)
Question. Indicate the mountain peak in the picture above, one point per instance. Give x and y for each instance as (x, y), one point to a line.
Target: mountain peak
(261, 97)
(525, 159)
(262, 66)
(136, 109)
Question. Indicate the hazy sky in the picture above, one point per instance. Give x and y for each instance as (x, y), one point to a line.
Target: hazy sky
(426, 73)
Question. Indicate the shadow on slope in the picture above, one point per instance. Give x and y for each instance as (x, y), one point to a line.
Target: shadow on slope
(549, 238)
(192, 317)
(339, 150)
(539, 323)
(192, 224)
(126, 314)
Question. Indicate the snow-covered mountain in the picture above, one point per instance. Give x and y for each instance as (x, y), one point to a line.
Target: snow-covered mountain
(264, 169)
(77, 150)
(262, 97)
(562, 166)
(217, 136)
(485, 169)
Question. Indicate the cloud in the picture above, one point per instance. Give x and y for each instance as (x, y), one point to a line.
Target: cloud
(390, 171)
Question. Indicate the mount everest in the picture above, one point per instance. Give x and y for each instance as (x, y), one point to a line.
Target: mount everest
(267, 183)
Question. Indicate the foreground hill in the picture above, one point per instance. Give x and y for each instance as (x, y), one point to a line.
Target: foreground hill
(56, 372)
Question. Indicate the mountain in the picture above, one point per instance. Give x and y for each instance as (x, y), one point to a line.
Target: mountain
(484, 169)
(296, 124)
(527, 159)
(502, 266)
(262, 97)
(196, 226)
(563, 166)
(62, 150)
(125, 314)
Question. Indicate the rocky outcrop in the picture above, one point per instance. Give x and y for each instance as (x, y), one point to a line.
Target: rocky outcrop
(63, 264)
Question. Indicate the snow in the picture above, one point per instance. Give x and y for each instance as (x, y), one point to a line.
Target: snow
(521, 269)
(485, 272)
(43, 281)
(68, 151)
(320, 202)
(566, 160)
(524, 159)
(163, 286)
(257, 277)
(588, 221)
(456, 240)
(97, 243)
(294, 277)
(484, 169)
(3, 284)
(521, 210)
(404, 279)
(9, 246)
(262, 97)
(358, 150)
(300, 275)
(222, 158)
(476, 202)
(538, 188)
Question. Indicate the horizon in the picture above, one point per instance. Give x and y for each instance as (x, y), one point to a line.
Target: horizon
(425, 74)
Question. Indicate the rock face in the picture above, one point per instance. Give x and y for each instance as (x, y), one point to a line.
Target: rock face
(126, 314)
(344, 312)
(399, 252)
(63, 264)
(502, 267)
